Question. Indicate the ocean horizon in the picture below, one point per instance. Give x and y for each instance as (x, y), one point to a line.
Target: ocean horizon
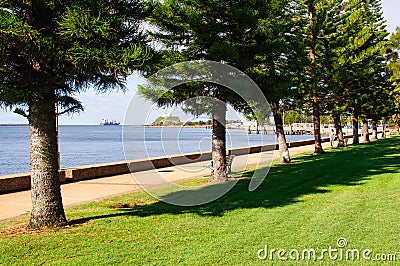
(94, 144)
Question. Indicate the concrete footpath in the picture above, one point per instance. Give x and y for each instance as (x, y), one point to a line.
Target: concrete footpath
(19, 203)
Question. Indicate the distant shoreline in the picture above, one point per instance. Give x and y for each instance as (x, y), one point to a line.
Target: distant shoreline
(176, 126)
(13, 125)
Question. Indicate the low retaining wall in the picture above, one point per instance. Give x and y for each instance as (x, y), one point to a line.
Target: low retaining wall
(16, 182)
(22, 181)
(99, 170)
(252, 149)
(125, 167)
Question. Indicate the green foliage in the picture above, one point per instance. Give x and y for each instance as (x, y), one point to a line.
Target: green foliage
(199, 123)
(203, 30)
(67, 47)
(167, 121)
(348, 37)
(275, 57)
(298, 116)
(272, 46)
(391, 54)
(259, 113)
(359, 69)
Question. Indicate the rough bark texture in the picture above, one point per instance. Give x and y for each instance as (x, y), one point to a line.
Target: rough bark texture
(374, 131)
(218, 172)
(47, 207)
(339, 131)
(280, 133)
(365, 130)
(398, 126)
(317, 127)
(384, 128)
(315, 100)
(356, 140)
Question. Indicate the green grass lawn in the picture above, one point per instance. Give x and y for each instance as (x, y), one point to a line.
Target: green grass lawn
(350, 193)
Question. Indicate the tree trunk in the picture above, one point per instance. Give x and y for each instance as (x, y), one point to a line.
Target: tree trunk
(384, 128)
(257, 129)
(47, 207)
(338, 127)
(374, 131)
(398, 126)
(317, 127)
(356, 140)
(365, 130)
(315, 100)
(280, 133)
(218, 172)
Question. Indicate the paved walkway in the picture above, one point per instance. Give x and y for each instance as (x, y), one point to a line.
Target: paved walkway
(19, 203)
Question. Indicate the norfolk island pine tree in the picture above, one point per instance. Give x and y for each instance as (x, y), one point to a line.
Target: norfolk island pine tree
(323, 19)
(347, 45)
(344, 38)
(206, 30)
(51, 50)
(276, 62)
(363, 76)
(392, 64)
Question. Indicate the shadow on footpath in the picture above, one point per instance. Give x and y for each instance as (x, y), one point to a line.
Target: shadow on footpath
(286, 183)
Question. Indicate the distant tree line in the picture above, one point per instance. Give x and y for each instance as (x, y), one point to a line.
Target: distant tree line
(318, 57)
(175, 121)
(167, 121)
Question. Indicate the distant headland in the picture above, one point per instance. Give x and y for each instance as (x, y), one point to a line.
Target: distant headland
(13, 125)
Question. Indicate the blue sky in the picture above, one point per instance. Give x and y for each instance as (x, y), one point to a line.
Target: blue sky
(114, 105)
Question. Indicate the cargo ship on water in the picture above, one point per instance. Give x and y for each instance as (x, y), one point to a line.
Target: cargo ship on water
(106, 122)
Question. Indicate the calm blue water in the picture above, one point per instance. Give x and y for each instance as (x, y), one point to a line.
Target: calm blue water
(83, 145)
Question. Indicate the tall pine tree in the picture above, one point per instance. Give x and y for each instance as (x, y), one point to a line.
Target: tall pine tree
(361, 76)
(49, 51)
(320, 16)
(276, 60)
(206, 30)
(392, 64)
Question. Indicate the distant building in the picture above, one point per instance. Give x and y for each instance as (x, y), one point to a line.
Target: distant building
(106, 122)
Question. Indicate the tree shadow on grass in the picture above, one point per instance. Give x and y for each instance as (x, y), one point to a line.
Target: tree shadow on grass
(285, 184)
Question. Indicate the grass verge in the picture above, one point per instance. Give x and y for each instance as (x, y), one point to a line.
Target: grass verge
(350, 193)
